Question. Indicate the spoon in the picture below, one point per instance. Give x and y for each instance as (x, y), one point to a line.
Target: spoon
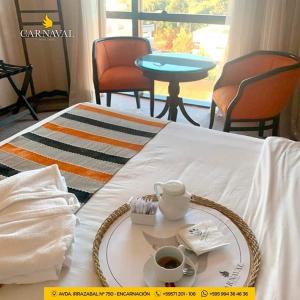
(188, 270)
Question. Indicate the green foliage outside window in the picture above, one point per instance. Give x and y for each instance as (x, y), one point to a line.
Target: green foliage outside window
(215, 7)
(178, 36)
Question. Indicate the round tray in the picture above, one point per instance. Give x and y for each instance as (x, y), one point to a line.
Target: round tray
(121, 248)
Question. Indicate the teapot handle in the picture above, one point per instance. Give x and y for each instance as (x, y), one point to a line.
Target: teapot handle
(157, 187)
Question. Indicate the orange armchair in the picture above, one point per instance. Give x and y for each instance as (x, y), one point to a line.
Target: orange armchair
(114, 69)
(255, 88)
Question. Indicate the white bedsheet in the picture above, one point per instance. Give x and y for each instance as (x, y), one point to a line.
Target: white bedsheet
(276, 220)
(213, 164)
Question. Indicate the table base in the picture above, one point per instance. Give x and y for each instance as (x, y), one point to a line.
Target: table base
(173, 101)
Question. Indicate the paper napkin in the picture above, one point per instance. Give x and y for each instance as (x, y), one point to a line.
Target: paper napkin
(202, 237)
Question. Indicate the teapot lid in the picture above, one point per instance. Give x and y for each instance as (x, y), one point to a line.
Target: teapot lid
(174, 187)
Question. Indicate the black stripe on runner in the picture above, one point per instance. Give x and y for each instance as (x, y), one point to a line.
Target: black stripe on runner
(7, 171)
(83, 197)
(108, 125)
(77, 150)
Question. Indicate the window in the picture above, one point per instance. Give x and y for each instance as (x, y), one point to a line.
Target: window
(118, 5)
(193, 26)
(213, 7)
(118, 27)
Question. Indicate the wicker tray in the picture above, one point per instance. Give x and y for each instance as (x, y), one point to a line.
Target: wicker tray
(113, 266)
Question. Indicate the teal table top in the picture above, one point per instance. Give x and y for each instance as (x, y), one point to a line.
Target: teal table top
(174, 62)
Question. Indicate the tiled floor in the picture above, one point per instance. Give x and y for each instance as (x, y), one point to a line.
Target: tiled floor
(126, 104)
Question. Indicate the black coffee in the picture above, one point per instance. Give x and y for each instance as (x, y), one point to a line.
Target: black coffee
(168, 262)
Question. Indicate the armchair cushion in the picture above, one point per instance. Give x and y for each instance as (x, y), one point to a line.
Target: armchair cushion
(123, 78)
(124, 52)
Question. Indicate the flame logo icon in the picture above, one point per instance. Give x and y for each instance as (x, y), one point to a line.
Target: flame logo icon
(47, 22)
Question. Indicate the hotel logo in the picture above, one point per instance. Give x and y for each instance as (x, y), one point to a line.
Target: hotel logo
(47, 22)
(48, 32)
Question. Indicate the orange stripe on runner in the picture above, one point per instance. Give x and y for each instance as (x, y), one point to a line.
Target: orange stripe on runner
(40, 159)
(120, 116)
(92, 137)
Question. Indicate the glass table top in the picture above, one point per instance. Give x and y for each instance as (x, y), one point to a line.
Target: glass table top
(175, 62)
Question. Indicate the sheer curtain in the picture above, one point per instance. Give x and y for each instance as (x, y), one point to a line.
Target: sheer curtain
(268, 25)
(87, 20)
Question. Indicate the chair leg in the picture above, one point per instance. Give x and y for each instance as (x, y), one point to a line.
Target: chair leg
(137, 98)
(98, 99)
(227, 125)
(212, 114)
(152, 103)
(108, 99)
(275, 130)
(261, 128)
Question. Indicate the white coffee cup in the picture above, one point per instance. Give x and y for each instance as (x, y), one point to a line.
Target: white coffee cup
(168, 273)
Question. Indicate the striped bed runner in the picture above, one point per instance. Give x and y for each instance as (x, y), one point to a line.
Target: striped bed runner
(88, 143)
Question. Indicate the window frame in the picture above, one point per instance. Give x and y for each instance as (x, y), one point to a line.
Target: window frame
(136, 15)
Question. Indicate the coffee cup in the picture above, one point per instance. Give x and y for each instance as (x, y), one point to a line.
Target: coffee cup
(168, 263)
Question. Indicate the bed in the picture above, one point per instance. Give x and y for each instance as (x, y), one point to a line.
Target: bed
(215, 165)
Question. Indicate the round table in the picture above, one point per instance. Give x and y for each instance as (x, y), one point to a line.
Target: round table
(174, 68)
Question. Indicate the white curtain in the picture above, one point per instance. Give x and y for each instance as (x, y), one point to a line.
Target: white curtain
(87, 20)
(268, 25)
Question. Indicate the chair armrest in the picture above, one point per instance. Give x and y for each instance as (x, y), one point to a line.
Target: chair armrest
(265, 95)
(235, 71)
(100, 59)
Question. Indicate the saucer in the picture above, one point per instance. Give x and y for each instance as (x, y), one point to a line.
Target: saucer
(151, 280)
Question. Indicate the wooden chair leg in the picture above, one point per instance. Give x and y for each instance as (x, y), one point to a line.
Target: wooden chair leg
(98, 99)
(227, 125)
(261, 128)
(108, 99)
(138, 100)
(152, 103)
(275, 130)
(212, 114)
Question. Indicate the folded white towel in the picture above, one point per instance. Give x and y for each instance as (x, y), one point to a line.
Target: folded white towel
(37, 224)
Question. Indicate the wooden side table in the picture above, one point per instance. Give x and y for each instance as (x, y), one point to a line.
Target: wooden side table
(175, 68)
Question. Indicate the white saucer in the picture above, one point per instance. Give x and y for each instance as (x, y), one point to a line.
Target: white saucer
(151, 280)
